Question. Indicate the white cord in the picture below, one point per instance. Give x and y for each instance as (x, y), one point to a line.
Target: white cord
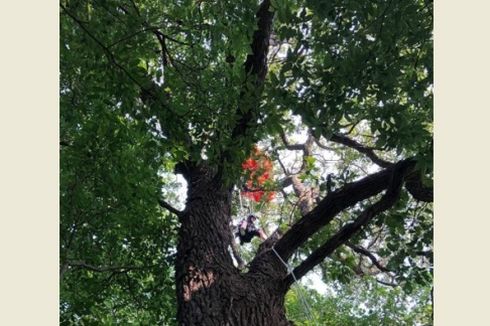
(302, 298)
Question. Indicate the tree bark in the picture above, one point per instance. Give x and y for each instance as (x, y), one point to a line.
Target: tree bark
(210, 289)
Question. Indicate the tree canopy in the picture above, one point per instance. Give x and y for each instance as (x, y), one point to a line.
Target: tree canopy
(337, 94)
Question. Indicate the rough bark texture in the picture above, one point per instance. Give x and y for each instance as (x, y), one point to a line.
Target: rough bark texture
(256, 69)
(210, 289)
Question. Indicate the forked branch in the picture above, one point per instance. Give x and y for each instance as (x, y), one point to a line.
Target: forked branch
(335, 202)
(414, 183)
(350, 229)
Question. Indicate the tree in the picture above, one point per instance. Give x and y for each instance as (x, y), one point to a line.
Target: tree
(352, 305)
(153, 89)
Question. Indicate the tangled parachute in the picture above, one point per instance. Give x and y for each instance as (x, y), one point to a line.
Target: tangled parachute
(258, 170)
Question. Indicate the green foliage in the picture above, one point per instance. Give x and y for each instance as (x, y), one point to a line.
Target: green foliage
(115, 241)
(110, 218)
(147, 85)
(362, 303)
(356, 60)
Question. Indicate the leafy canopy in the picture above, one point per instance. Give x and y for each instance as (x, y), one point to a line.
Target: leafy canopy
(147, 85)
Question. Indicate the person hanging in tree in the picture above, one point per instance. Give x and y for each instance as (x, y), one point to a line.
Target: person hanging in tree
(247, 230)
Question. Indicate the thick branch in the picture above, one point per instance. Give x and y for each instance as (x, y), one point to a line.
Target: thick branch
(413, 183)
(255, 68)
(350, 229)
(334, 203)
(417, 189)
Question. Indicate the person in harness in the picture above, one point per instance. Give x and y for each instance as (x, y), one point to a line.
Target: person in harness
(247, 230)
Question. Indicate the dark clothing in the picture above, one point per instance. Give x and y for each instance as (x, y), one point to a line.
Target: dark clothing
(250, 232)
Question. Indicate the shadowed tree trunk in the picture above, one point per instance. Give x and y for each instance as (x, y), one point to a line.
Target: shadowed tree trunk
(210, 289)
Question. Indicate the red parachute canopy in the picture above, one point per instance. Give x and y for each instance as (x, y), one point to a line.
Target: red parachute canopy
(258, 168)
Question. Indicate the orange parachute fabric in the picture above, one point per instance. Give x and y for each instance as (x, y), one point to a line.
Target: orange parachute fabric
(258, 169)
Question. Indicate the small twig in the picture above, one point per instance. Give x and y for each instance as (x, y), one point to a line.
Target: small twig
(169, 207)
(102, 269)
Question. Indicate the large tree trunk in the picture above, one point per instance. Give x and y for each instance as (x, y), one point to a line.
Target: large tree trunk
(210, 289)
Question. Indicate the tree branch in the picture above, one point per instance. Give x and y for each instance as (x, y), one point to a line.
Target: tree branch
(288, 145)
(413, 182)
(255, 69)
(334, 203)
(319, 144)
(369, 152)
(417, 189)
(149, 89)
(393, 285)
(101, 269)
(397, 176)
(108, 53)
(169, 207)
(283, 167)
(363, 251)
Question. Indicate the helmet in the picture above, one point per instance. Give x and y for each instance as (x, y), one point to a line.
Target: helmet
(252, 216)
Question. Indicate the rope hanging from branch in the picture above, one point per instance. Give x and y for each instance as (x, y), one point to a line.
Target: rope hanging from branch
(302, 298)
